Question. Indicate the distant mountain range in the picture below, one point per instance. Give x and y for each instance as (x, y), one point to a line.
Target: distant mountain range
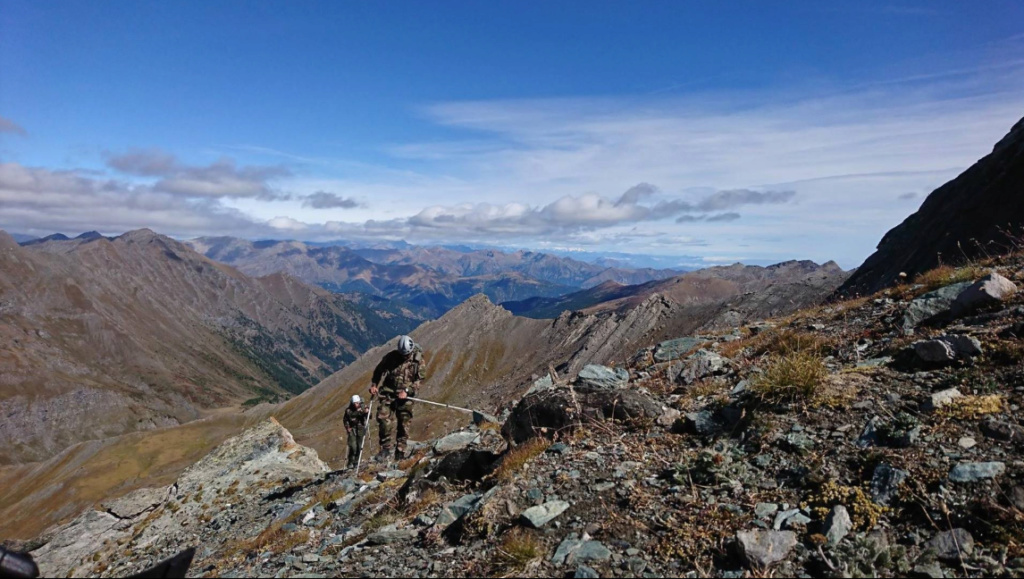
(105, 336)
(434, 278)
(777, 287)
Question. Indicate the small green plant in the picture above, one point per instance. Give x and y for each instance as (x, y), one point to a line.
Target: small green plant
(795, 377)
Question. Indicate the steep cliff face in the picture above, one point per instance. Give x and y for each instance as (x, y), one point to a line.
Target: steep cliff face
(979, 213)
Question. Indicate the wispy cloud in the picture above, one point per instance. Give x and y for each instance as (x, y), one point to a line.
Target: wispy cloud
(221, 179)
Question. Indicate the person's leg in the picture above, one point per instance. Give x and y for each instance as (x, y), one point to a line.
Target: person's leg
(360, 434)
(353, 448)
(385, 419)
(404, 414)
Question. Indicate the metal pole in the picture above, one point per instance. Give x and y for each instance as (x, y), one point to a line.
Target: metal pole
(441, 405)
(366, 434)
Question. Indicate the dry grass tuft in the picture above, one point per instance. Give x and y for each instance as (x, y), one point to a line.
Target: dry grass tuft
(517, 457)
(518, 549)
(274, 539)
(796, 377)
(780, 342)
(946, 274)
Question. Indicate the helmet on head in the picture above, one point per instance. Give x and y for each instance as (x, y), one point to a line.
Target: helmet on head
(356, 399)
(406, 345)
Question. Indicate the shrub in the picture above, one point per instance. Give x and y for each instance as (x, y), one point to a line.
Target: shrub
(518, 549)
(790, 378)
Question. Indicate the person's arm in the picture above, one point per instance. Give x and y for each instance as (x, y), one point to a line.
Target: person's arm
(378, 373)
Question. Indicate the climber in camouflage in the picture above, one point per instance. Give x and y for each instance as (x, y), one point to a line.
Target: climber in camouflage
(395, 379)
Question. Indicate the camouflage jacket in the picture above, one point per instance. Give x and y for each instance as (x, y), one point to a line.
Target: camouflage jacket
(397, 372)
(355, 417)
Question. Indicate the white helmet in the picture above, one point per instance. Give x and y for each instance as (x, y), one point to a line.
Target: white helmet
(406, 345)
(356, 399)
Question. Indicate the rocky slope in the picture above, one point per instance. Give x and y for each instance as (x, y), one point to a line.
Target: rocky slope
(980, 213)
(873, 437)
(788, 285)
(100, 337)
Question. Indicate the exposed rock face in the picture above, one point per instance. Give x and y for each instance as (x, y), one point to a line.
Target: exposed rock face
(968, 217)
(562, 409)
(265, 453)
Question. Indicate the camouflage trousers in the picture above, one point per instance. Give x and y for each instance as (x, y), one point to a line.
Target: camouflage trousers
(355, 445)
(389, 412)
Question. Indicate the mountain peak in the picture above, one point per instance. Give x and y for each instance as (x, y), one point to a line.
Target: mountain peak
(6, 241)
(139, 235)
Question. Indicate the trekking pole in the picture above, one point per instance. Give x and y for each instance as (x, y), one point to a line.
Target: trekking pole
(478, 416)
(366, 434)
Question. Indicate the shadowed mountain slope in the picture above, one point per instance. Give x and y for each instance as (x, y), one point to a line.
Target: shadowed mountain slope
(979, 213)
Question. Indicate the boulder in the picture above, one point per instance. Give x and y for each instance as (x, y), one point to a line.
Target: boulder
(940, 399)
(575, 550)
(1004, 431)
(948, 545)
(837, 525)
(595, 378)
(884, 483)
(947, 349)
(702, 364)
(675, 349)
(991, 289)
(541, 515)
(562, 409)
(932, 305)
(390, 535)
(761, 548)
(455, 441)
(966, 472)
(541, 384)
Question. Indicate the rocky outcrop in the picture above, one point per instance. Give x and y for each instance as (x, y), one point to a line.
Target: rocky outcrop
(242, 465)
(973, 215)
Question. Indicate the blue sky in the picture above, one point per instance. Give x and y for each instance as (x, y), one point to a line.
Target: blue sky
(700, 132)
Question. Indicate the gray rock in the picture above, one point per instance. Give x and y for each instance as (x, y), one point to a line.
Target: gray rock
(584, 572)
(674, 349)
(966, 442)
(593, 378)
(976, 471)
(574, 550)
(451, 512)
(702, 364)
(702, 423)
(991, 289)
(390, 474)
(765, 510)
(781, 518)
(668, 417)
(946, 349)
(535, 496)
(389, 536)
(932, 304)
(1004, 431)
(455, 441)
(945, 544)
(541, 384)
(932, 570)
(837, 525)
(541, 515)
(884, 483)
(761, 549)
(940, 399)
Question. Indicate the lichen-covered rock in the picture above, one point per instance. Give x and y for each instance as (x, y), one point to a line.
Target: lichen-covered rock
(932, 305)
(702, 364)
(601, 378)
